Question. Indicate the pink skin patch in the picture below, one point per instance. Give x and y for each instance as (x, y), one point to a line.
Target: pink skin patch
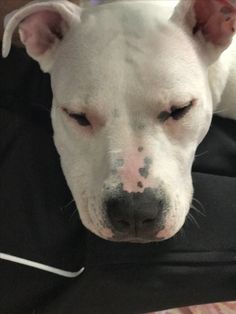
(217, 20)
(96, 120)
(164, 234)
(134, 173)
(169, 229)
(39, 31)
(107, 233)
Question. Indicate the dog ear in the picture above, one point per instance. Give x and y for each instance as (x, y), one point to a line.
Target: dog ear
(213, 22)
(42, 27)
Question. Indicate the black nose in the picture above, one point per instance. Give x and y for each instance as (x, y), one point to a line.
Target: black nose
(136, 214)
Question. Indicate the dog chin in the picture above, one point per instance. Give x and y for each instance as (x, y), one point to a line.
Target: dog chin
(107, 234)
(135, 240)
(166, 233)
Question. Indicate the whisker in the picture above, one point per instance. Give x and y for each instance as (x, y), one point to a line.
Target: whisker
(193, 220)
(41, 107)
(182, 232)
(68, 204)
(200, 204)
(197, 210)
(73, 213)
(201, 154)
(219, 111)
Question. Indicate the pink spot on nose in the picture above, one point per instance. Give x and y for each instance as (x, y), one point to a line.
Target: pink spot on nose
(135, 173)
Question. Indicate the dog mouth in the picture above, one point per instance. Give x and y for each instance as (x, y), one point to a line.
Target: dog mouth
(115, 220)
(135, 240)
(165, 230)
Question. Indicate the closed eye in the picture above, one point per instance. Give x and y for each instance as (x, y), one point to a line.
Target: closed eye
(175, 113)
(80, 118)
(178, 113)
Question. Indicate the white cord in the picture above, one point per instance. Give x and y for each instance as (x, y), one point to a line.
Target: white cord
(43, 267)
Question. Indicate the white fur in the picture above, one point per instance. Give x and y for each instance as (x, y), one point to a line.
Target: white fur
(128, 63)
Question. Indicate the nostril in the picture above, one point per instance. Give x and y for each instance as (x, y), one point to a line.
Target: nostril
(123, 223)
(119, 215)
(149, 221)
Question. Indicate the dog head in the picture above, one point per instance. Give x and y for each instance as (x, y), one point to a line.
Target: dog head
(131, 103)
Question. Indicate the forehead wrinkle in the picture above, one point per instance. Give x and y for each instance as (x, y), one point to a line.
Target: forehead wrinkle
(130, 30)
(163, 58)
(126, 69)
(101, 37)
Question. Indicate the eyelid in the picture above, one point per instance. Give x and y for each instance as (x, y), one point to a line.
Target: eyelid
(79, 117)
(187, 104)
(165, 115)
(68, 111)
(72, 113)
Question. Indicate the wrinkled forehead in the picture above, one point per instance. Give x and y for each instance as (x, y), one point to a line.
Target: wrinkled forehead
(120, 50)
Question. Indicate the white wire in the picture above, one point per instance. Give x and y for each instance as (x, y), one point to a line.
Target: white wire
(57, 271)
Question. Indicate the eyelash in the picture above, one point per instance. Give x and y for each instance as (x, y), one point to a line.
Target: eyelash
(176, 113)
(80, 118)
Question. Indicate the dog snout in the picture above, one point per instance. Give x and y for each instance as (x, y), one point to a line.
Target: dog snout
(136, 215)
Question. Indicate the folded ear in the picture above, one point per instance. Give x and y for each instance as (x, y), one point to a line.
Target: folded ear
(211, 21)
(42, 27)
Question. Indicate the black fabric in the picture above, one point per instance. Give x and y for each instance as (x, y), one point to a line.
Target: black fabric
(39, 221)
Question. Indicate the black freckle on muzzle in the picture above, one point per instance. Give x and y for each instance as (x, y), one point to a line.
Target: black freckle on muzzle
(136, 215)
(119, 163)
(144, 172)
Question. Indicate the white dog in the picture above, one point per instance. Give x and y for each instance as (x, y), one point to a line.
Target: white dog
(134, 86)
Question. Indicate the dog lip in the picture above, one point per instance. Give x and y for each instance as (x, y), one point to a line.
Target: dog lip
(136, 240)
